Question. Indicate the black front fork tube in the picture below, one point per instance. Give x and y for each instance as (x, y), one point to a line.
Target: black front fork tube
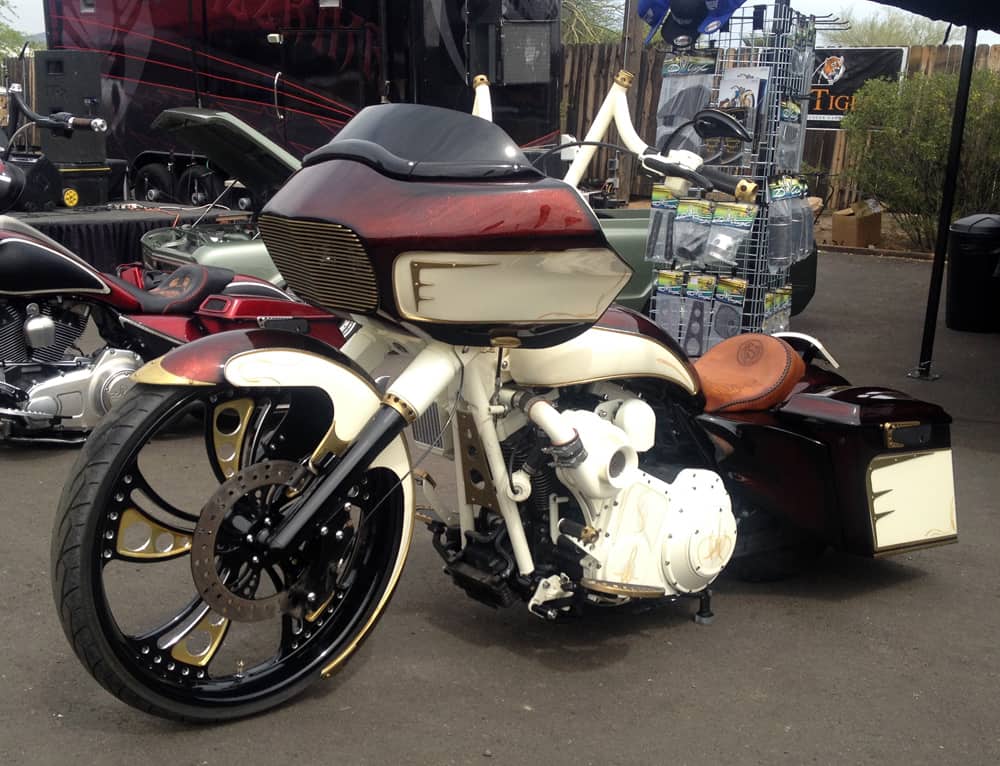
(385, 425)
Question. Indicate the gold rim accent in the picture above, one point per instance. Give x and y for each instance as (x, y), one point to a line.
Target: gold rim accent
(180, 542)
(624, 78)
(622, 589)
(71, 198)
(315, 613)
(153, 374)
(402, 407)
(229, 447)
(215, 626)
(480, 79)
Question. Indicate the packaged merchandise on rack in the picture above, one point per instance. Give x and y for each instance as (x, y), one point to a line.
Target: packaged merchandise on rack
(669, 302)
(727, 313)
(788, 155)
(788, 213)
(699, 296)
(692, 225)
(731, 225)
(659, 237)
(686, 89)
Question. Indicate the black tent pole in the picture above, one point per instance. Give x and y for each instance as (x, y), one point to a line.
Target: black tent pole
(923, 370)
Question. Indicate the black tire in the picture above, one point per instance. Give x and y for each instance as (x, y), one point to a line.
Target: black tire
(153, 183)
(199, 186)
(143, 668)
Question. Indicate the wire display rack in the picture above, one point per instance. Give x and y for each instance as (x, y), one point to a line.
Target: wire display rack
(776, 39)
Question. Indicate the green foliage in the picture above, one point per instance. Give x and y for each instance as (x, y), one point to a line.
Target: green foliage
(591, 21)
(888, 27)
(11, 39)
(898, 136)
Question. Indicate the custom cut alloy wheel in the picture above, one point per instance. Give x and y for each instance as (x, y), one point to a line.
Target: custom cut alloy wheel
(165, 585)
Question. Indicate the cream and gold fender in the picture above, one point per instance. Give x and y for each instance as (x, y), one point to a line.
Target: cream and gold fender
(601, 353)
(271, 359)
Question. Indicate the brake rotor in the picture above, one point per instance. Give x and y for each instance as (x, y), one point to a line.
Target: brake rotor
(221, 598)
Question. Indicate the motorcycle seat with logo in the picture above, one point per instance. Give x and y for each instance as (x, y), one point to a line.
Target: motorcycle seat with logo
(749, 372)
(181, 292)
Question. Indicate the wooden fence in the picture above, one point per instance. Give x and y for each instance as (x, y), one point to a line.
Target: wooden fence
(589, 70)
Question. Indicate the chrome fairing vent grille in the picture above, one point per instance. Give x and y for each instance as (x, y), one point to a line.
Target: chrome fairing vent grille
(324, 263)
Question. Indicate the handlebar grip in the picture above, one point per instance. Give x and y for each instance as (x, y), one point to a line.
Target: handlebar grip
(743, 189)
(95, 124)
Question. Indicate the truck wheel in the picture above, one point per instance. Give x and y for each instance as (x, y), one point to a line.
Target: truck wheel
(153, 183)
(199, 186)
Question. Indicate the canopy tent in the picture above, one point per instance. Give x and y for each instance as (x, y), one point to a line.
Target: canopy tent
(978, 14)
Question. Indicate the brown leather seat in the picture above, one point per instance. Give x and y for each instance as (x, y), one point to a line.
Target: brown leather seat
(748, 372)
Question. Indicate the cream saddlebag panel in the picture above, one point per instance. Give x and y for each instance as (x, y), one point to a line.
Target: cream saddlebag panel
(599, 354)
(911, 498)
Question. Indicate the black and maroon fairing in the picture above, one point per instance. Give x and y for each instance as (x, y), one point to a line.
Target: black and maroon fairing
(408, 178)
(808, 460)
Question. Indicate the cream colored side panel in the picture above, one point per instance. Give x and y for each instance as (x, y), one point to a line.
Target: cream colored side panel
(563, 286)
(912, 499)
(598, 354)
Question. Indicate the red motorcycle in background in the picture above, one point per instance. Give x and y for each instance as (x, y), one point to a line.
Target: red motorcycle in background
(50, 390)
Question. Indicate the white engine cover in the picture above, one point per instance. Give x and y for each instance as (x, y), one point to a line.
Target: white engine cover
(677, 536)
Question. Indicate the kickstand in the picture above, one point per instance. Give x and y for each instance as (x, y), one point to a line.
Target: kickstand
(704, 615)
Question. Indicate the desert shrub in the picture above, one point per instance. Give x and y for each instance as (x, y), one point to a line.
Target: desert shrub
(898, 136)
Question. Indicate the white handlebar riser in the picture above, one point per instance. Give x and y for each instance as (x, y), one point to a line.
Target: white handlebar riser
(597, 130)
(482, 103)
(623, 121)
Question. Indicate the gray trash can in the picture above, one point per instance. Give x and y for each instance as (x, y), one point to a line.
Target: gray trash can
(974, 274)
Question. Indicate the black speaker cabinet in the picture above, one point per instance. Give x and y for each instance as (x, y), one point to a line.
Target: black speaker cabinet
(70, 81)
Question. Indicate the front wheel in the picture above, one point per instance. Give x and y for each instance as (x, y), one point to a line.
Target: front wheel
(162, 587)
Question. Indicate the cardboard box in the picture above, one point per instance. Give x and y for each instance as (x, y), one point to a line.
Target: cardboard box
(859, 225)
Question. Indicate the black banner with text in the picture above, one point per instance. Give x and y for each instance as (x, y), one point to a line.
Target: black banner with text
(838, 73)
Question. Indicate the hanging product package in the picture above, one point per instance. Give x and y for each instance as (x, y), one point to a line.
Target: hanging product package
(686, 90)
(659, 236)
(698, 299)
(669, 302)
(692, 225)
(731, 225)
(727, 315)
(788, 155)
(741, 92)
(785, 220)
(807, 233)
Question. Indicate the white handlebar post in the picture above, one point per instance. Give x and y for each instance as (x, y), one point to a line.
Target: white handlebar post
(614, 108)
(482, 103)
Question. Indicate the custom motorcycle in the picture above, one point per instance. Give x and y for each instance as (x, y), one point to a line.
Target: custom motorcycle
(595, 464)
(52, 391)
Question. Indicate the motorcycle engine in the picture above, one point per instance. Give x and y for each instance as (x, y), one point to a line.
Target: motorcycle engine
(644, 535)
(38, 332)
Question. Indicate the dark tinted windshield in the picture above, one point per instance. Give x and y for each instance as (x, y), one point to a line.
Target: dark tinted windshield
(427, 142)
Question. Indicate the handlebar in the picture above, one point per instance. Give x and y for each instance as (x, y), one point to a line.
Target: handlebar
(743, 189)
(59, 120)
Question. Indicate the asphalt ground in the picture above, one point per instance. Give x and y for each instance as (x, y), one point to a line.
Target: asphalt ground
(859, 661)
